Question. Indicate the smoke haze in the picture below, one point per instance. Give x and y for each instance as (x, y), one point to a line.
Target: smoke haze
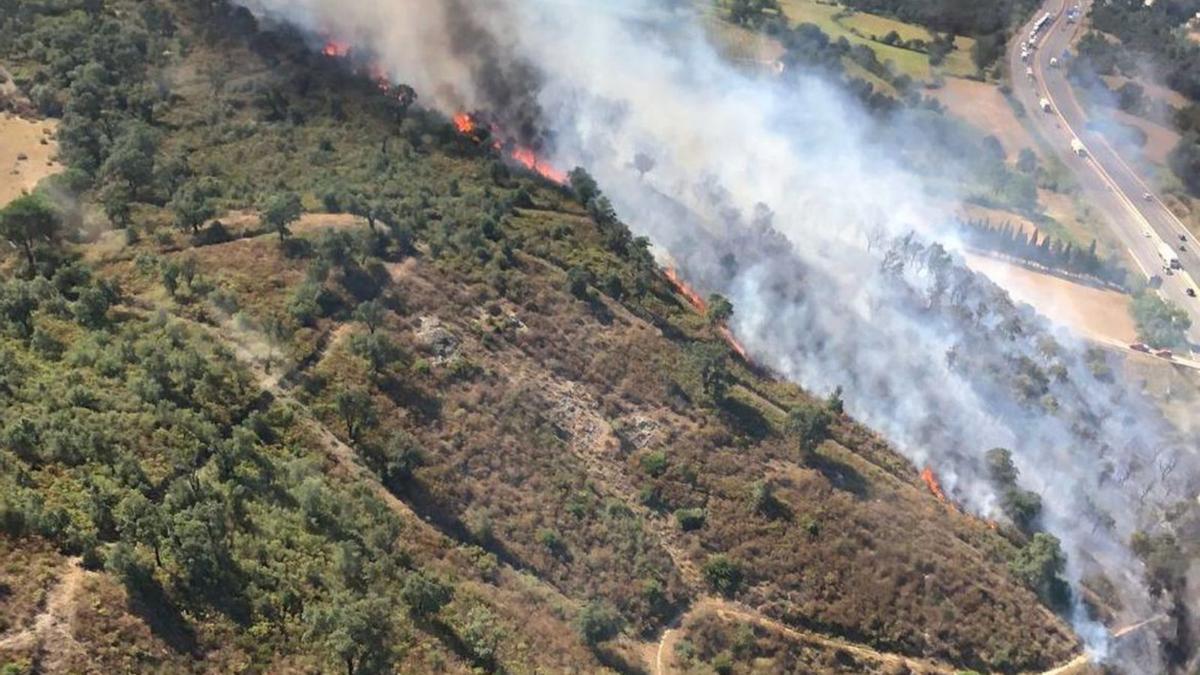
(781, 193)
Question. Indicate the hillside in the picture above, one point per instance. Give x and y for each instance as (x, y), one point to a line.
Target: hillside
(450, 418)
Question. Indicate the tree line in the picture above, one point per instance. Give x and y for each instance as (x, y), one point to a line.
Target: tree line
(1043, 250)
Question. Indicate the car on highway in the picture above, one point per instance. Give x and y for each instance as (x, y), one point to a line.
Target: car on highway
(1163, 353)
(1191, 292)
(1183, 237)
(1140, 347)
(1147, 196)
(1146, 233)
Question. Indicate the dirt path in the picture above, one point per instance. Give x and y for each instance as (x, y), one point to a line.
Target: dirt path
(729, 611)
(52, 635)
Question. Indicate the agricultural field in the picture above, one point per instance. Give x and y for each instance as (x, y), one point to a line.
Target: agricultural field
(868, 29)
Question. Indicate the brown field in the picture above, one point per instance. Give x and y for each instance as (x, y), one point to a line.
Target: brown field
(1092, 312)
(996, 216)
(984, 106)
(1160, 140)
(1153, 90)
(21, 137)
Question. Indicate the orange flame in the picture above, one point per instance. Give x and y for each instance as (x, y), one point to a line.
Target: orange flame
(686, 291)
(464, 123)
(335, 50)
(931, 482)
(698, 303)
(529, 159)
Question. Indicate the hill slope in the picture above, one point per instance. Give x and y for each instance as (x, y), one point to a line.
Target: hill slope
(473, 426)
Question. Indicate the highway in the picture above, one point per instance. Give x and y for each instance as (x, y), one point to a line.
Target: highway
(1109, 184)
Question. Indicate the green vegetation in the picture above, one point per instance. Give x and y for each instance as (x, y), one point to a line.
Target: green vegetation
(1044, 250)
(1040, 565)
(1160, 323)
(724, 575)
(963, 18)
(352, 394)
(1021, 506)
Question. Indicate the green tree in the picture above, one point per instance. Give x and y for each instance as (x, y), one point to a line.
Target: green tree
(353, 630)
(834, 403)
(598, 621)
(357, 411)
(91, 309)
(578, 281)
(808, 425)
(425, 595)
(280, 211)
(131, 159)
(583, 185)
(192, 204)
(723, 575)
(371, 313)
(719, 309)
(1000, 466)
(378, 350)
(1039, 565)
(28, 220)
(1027, 161)
(481, 635)
(117, 201)
(1160, 323)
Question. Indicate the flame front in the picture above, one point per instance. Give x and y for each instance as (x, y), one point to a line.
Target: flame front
(529, 159)
(686, 291)
(698, 303)
(464, 123)
(931, 482)
(335, 50)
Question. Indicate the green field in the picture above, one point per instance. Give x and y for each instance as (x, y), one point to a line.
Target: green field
(863, 28)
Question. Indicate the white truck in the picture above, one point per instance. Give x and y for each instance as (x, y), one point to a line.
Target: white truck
(1044, 104)
(1029, 73)
(1077, 147)
(1170, 259)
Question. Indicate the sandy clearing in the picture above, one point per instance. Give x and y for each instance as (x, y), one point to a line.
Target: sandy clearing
(983, 106)
(22, 137)
(1093, 312)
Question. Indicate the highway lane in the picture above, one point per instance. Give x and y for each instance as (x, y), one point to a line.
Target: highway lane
(1109, 184)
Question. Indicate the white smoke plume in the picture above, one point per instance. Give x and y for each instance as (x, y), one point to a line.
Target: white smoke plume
(781, 193)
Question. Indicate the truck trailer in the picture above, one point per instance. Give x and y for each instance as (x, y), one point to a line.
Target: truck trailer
(1170, 259)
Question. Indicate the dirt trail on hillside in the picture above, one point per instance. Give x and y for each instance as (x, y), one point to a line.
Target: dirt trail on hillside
(51, 638)
(729, 611)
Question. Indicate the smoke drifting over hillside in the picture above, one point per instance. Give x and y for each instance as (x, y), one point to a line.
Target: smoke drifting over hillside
(777, 192)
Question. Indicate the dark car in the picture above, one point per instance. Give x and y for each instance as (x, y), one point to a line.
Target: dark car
(1191, 292)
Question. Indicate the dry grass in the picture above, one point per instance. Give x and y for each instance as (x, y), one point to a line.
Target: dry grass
(983, 106)
(27, 152)
(1160, 140)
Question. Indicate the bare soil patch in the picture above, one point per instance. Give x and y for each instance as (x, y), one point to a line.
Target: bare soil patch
(1093, 312)
(27, 149)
